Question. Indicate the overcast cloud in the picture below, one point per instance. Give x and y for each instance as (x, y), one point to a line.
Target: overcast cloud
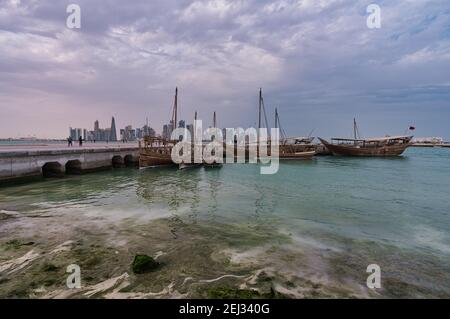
(316, 61)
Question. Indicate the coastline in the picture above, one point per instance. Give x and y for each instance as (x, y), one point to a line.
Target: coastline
(230, 232)
(196, 262)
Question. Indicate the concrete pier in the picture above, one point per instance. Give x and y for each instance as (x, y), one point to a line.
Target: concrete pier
(20, 162)
(431, 145)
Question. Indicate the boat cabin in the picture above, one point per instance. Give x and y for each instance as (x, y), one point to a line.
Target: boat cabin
(372, 142)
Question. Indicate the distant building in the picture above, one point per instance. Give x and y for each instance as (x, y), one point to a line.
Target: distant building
(75, 133)
(151, 132)
(167, 130)
(428, 140)
(128, 133)
(110, 134)
(139, 133)
(113, 133)
(190, 128)
(105, 135)
(72, 133)
(90, 136)
(147, 131)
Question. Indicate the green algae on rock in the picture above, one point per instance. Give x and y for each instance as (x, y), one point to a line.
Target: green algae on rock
(143, 263)
(48, 267)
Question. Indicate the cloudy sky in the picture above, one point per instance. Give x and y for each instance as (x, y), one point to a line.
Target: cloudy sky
(316, 60)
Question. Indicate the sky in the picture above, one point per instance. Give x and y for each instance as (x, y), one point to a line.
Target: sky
(316, 61)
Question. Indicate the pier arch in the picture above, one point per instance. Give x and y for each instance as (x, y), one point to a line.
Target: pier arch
(117, 161)
(52, 169)
(129, 160)
(73, 167)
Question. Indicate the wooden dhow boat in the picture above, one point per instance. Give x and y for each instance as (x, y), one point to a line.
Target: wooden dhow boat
(382, 146)
(290, 148)
(157, 151)
(302, 140)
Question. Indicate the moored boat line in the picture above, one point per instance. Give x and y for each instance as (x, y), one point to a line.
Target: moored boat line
(157, 151)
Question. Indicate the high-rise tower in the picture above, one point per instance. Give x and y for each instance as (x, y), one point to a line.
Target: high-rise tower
(113, 134)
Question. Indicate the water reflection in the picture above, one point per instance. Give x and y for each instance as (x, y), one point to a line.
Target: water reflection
(361, 162)
(170, 186)
(85, 190)
(213, 180)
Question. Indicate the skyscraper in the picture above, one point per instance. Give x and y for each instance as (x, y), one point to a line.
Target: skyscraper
(113, 134)
(73, 133)
(128, 134)
(96, 131)
(167, 130)
(79, 134)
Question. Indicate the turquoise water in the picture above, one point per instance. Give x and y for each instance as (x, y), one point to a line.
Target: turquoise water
(343, 213)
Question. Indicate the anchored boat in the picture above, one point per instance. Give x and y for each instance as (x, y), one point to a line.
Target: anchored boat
(157, 151)
(382, 146)
(291, 147)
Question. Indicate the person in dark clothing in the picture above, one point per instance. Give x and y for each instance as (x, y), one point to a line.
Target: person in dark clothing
(80, 140)
(69, 141)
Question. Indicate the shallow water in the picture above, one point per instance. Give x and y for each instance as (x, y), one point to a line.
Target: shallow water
(310, 230)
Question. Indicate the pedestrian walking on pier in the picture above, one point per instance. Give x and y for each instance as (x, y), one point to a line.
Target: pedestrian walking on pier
(69, 141)
(80, 140)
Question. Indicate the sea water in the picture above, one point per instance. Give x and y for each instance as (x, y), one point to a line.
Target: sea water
(311, 229)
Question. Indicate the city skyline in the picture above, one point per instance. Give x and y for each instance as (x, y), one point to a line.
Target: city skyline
(317, 61)
(110, 134)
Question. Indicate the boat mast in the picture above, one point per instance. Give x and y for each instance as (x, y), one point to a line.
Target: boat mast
(354, 130)
(262, 111)
(195, 126)
(277, 122)
(260, 105)
(276, 118)
(214, 119)
(175, 108)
